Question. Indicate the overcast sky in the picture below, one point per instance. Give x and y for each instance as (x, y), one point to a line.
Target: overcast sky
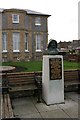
(63, 22)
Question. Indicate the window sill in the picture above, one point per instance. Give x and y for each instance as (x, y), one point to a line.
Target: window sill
(37, 24)
(16, 51)
(38, 51)
(4, 51)
(26, 50)
(17, 22)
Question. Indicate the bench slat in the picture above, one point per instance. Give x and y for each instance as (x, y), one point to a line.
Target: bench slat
(72, 83)
(22, 81)
(21, 88)
(11, 114)
(6, 110)
(2, 107)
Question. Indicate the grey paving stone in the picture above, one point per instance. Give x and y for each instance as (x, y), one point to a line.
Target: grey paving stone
(69, 104)
(73, 96)
(35, 115)
(21, 101)
(72, 112)
(57, 113)
(23, 106)
(70, 107)
(28, 107)
(43, 107)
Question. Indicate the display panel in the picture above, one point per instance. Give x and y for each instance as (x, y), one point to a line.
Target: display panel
(55, 68)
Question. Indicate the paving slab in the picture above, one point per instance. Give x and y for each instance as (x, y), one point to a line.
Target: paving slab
(23, 106)
(32, 115)
(42, 107)
(71, 106)
(73, 96)
(27, 107)
(57, 113)
(70, 109)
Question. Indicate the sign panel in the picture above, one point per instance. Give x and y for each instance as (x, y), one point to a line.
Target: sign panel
(55, 68)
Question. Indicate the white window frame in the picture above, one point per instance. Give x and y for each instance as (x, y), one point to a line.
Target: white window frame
(15, 20)
(38, 43)
(26, 42)
(37, 21)
(16, 41)
(4, 42)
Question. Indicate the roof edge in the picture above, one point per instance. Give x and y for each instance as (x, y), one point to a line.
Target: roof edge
(28, 11)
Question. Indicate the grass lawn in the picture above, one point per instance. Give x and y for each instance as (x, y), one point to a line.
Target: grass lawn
(37, 65)
(71, 65)
(28, 66)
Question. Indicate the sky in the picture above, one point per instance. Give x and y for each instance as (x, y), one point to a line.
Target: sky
(63, 22)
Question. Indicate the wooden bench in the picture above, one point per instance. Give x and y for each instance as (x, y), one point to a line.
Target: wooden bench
(6, 107)
(72, 80)
(19, 82)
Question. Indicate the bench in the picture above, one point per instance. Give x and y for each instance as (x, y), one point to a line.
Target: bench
(72, 80)
(6, 107)
(22, 82)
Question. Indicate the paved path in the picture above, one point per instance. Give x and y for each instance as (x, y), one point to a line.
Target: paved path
(27, 107)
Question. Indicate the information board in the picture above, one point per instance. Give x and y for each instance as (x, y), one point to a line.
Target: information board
(55, 68)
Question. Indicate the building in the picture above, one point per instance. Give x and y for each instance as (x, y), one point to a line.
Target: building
(70, 50)
(24, 34)
(64, 45)
(75, 44)
(71, 45)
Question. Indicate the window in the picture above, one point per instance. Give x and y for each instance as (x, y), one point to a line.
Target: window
(26, 42)
(38, 42)
(15, 18)
(16, 42)
(4, 42)
(37, 21)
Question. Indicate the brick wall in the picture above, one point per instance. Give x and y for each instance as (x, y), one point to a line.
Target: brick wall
(25, 25)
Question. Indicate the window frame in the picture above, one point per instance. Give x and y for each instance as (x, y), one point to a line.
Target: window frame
(26, 42)
(38, 21)
(38, 37)
(4, 42)
(15, 21)
(16, 42)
